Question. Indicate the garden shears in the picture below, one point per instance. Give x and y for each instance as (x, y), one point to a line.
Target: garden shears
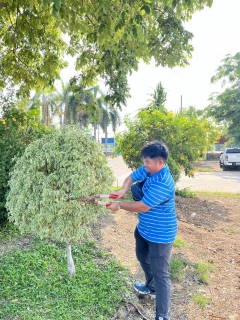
(93, 199)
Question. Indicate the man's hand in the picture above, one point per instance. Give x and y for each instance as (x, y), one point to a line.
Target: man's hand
(126, 185)
(120, 193)
(113, 206)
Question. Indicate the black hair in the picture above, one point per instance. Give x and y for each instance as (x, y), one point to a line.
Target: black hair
(155, 149)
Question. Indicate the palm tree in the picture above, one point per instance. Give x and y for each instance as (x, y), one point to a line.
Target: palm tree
(158, 97)
(106, 115)
(89, 106)
(109, 116)
(48, 108)
(81, 109)
(100, 99)
(43, 104)
(82, 106)
(62, 99)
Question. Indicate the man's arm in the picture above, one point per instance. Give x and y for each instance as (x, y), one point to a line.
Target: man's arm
(136, 206)
(128, 182)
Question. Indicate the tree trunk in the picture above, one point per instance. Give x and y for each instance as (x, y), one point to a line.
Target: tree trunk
(106, 137)
(80, 122)
(95, 131)
(60, 119)
(71, 266)
(45, 111)
(81, 119)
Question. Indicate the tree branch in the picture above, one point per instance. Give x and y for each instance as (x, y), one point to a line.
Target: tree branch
(90, 20)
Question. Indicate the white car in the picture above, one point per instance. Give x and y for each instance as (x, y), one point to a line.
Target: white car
(230, 158)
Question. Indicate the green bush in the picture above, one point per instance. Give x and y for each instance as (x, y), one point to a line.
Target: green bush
(185, 192)
(65, 164)
(17, 130)
(187, 137)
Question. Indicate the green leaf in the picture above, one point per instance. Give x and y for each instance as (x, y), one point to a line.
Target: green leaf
(101, 28)
(174, 3)
(57, 4)
(146, 9)
(138, 18)
(209, 2)
(125, 36)
(118, 26)
(134, 31)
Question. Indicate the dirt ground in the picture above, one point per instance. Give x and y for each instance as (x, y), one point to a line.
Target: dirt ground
(211, 228)
(213, 165)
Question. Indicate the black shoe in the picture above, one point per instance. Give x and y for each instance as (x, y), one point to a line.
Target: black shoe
(143, 289)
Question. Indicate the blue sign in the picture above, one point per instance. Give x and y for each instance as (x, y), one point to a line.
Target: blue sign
(109, 140)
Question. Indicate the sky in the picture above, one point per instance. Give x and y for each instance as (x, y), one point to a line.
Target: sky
(216, 33)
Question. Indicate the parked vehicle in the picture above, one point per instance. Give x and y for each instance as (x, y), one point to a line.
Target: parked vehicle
(230, 158)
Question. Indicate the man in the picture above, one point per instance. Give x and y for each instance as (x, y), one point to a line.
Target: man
(157, 226)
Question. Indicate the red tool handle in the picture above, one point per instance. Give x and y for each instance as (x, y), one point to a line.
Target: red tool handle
(107, 196)
(113, 196)
(102, 203)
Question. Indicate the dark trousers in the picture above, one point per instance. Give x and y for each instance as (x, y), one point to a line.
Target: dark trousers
(154, 259)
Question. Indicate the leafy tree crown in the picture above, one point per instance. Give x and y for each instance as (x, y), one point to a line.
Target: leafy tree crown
(187, 138)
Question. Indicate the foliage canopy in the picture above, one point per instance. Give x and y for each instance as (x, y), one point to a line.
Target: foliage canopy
(225, 106)
(30, 46)
(108, 40)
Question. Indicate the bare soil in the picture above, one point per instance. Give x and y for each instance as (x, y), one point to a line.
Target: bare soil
(211, 228)
(212, 165)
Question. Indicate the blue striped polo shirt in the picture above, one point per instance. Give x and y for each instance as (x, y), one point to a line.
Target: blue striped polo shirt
(159, 224)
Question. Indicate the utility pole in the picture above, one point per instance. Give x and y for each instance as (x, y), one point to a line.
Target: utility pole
(181, 105)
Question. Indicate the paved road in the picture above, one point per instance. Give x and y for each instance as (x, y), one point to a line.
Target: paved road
(121, 171)
(225, 181)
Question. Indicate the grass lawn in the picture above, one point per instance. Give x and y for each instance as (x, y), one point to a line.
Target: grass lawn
(35, 285)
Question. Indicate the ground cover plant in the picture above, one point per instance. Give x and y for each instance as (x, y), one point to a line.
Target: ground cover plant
(34, 284)
(218, 194)
(179, 243)
(202, 270)
(201, 300)
(186, 192)
(177, 266)
(8, 232)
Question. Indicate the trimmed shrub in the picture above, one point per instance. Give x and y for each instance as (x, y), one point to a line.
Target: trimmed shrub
(65, 164)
